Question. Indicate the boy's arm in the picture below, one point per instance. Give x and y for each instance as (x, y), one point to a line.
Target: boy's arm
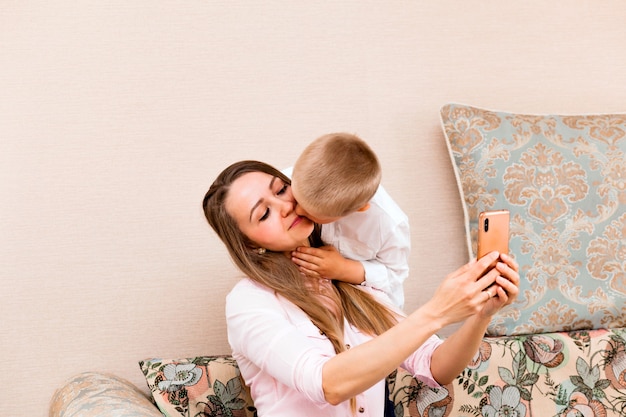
(388, 271)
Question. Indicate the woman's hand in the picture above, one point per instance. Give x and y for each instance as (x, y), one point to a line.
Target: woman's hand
(475, 288)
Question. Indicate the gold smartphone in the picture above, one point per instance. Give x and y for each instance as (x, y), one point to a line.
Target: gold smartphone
(493, 232)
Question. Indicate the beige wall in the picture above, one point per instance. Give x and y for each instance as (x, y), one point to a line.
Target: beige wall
(116, 115)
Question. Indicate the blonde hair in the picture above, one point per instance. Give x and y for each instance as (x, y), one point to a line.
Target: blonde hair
(337, 174)
(277, 272)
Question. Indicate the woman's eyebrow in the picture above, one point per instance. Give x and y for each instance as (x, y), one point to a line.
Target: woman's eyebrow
(261, 199)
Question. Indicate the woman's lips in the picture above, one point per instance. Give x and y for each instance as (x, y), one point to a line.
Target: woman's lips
(297, 221)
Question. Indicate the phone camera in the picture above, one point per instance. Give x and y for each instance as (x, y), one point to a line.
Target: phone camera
(486, 225)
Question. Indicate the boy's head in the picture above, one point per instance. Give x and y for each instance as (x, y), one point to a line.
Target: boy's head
(337, 174)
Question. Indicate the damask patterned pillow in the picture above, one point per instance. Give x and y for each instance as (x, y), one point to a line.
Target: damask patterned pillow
(563, 178)
(208, 386)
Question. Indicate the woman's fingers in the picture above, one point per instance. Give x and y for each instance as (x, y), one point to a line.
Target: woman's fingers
(472, 271)
(509, 290)
(508, 259)
(507, 283)
(491, 292)
(486, 263)
(509, 270)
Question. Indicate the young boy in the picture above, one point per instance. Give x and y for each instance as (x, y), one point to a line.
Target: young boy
(336, 183)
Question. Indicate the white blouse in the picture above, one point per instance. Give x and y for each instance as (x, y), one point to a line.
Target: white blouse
(281, 353)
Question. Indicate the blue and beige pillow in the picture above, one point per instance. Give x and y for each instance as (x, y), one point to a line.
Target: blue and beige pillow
(563, 178)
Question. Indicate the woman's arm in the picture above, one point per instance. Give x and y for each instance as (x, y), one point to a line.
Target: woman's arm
(459, 296)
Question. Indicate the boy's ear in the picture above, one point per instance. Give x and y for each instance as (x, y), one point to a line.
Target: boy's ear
(365, 207)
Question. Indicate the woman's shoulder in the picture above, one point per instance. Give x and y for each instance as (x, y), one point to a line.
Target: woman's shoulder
(248, 286)
(248, 297)
(247, 292)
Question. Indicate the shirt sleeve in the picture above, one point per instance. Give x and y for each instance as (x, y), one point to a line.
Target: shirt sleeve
(285, 345)
(418, 363)
(390, 268)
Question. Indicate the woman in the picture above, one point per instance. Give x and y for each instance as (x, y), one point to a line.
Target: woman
(312, 347)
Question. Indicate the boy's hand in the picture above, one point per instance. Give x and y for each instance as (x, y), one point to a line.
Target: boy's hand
(327, 263)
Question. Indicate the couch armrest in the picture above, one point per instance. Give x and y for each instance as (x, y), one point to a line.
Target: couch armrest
(102, 395)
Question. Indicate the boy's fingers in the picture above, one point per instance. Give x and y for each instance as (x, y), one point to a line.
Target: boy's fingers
(309, 272)
(301, 255)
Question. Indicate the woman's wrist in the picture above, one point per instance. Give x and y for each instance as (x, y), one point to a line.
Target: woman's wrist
(425, 318)
(479, 323)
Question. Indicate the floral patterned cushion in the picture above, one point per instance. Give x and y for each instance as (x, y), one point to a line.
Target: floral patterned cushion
(563, 178)
(208, 386)
(581, 373)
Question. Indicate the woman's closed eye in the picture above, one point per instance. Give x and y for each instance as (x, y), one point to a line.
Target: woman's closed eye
(265, 215)
(282, 189)
(280, 192)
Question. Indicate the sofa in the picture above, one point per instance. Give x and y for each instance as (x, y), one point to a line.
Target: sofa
(558, 350)
(580, 373)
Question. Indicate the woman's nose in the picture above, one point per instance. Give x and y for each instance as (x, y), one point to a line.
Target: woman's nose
(287, 206)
